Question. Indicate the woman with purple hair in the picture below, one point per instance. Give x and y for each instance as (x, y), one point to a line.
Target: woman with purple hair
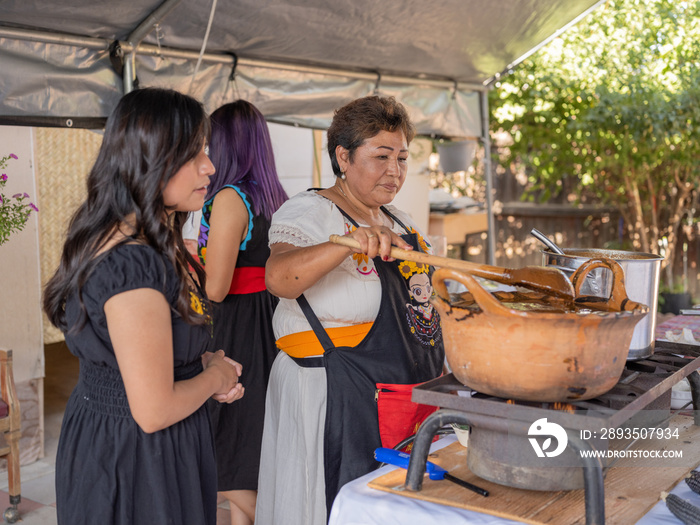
(233, 246)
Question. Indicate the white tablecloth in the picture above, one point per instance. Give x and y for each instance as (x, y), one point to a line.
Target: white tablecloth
(357, 504)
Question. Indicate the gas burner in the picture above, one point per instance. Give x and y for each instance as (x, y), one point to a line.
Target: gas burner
(640, 399)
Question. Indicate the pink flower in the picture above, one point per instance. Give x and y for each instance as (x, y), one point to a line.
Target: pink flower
(3, 177)
(13, 156)
(17, 196)
(33, 207)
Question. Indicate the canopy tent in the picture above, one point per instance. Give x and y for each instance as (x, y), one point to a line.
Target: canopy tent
(296, 60)
(67, 63)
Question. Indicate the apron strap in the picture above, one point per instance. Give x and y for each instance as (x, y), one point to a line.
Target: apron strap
(394, 218)
(342, 211)
(354, 223)
(386, 212)
(316, 325)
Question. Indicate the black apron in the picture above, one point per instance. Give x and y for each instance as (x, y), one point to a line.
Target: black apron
(403, 346)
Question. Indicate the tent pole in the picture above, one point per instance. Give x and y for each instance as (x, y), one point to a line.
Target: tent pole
(128, 78)
(317, 135)
(486, 141)
(138, 34)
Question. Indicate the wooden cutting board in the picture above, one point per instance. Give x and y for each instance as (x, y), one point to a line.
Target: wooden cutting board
(632, 487)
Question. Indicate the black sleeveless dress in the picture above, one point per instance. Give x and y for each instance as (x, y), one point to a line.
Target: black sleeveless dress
(109, 471)
(243, 329)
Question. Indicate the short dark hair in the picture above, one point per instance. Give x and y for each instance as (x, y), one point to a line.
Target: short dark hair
(363, 119)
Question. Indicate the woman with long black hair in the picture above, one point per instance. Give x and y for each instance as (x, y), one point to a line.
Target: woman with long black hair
(136, 445)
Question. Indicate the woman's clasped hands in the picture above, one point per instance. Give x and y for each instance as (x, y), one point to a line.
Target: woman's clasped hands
(230, 371)
(378, 240)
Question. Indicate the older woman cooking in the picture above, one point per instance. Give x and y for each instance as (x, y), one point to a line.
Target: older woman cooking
(347, 319)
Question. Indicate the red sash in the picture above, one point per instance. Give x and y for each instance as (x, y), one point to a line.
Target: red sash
(248, 279)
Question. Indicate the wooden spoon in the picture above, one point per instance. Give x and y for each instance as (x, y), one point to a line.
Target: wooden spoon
(543, 279)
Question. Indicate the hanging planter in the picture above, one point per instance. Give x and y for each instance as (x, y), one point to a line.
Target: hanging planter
(456, 155)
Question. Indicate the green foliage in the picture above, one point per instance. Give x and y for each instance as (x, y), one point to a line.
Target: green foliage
(14, 212)
(611, 111)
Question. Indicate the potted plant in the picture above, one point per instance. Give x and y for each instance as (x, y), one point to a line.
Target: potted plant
(14, 210)
(673, 290)
(674, 299)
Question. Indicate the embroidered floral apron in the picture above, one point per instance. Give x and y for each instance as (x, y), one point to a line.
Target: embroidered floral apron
(404, 346)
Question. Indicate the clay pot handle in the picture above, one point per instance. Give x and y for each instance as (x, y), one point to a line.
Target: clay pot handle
(618, 300)
(487, 302)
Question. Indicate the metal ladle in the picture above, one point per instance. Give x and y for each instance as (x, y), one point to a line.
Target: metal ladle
(545, 240)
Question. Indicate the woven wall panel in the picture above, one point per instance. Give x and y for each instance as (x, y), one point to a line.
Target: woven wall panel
(63, 159)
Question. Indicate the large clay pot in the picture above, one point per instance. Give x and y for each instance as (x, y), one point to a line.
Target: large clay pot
(536, 355)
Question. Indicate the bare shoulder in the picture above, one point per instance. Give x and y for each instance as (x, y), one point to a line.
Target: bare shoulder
(228, 203)
(229, 197)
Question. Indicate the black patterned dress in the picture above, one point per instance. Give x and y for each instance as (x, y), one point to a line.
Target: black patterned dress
(108, 470)
(243, 329)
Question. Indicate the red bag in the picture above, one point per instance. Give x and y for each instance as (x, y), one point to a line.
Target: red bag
(399, 417)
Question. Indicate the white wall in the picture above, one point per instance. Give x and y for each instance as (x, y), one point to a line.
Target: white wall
(20, 274)
(294, 156)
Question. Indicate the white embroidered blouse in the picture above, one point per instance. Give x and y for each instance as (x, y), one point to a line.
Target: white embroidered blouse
(349, 294)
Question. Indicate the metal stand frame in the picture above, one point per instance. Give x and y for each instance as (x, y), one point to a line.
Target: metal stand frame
(592, 467)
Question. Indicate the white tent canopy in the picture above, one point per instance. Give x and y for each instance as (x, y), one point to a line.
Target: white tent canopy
(296, 60)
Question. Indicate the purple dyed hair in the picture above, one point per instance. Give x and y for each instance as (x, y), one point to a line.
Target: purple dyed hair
(241, 151)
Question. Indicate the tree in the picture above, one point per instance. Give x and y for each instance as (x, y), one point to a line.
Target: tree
(611, 109)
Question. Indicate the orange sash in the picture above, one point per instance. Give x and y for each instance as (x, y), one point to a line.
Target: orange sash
(306, 344)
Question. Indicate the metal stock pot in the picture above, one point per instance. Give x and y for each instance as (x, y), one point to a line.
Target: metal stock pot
(540, 354)
(641, 275)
